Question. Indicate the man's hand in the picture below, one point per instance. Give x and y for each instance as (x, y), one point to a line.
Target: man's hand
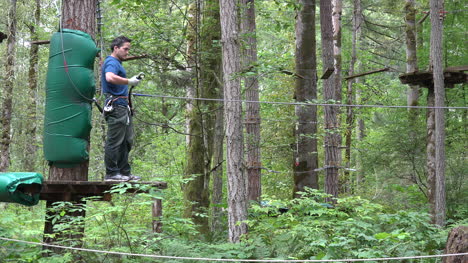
(134, 81)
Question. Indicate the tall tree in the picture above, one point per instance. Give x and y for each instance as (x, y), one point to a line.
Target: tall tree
(413, 90)
(252, 115)
(437, 16)
(305, 154)
(336, 21)
(205, 57)
(218, 160)
(331, 142)
(196, 189)
(78, 15)
(350, 91)
(237, 181)
(7, 95)
(31, 146)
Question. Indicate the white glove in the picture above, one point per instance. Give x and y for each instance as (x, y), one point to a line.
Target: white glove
(134, 81)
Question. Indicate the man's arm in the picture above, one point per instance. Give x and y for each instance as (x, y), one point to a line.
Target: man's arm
(116, 79)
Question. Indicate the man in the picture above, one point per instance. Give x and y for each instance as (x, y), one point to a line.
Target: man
(117, 112)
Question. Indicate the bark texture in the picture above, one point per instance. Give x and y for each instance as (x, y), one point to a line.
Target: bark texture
(206, 62)
(31, 146)
(252, 115)
(437, 8)
(79, 15)
(305, 154)
(332, 137)
(430, 152)
(336, 20)
(411, 58)
(237, 180)
(7, 105)
(350, 91)
(196, 192)
(457, 242)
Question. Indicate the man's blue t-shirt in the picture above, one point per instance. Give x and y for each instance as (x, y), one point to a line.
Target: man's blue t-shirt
(112, 64)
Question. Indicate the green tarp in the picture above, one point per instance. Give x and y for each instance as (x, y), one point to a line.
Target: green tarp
(70, 88)
(21, 188)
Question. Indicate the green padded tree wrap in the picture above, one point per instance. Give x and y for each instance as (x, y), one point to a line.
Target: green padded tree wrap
(70, 88)
(13, 185)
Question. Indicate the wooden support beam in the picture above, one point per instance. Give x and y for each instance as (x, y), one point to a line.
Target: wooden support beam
(327, 73)
(135, 57)
(40, 42)
(367, 73)
(157, 214)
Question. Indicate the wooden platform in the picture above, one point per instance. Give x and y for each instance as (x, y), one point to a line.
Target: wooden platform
(452, 75)
(75, 190)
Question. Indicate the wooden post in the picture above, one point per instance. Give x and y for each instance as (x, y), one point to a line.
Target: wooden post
(157, 214)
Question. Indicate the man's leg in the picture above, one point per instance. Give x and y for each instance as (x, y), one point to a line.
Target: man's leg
(127, 144)
(116, 123)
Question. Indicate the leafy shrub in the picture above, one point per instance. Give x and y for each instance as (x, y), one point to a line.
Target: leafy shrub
(353, 228)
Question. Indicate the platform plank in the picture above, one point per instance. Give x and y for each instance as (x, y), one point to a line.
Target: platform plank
(76, 190)
(452, 75)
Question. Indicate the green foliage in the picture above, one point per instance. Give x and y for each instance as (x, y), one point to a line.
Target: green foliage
(354, 228)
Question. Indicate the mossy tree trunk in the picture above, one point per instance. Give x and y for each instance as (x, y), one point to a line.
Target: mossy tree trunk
(7, 105)
(31, 146)
(205, 59)
(305, 152)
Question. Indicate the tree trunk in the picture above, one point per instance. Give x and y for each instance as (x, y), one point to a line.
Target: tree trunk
(331, 141)
(7, 105)
(77, 15)
(252, 116)
(196, 191)
(31, 145)
(336, 20)
(237, 181)
(430, 152)
(305, 154)
(411, 55)
(206, 59)
(350, 96)
(437, 7)
(457, 242)
(218, 160)
(413, 90)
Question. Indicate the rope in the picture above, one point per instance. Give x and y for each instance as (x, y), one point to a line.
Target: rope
(229, 260)
(302, 103)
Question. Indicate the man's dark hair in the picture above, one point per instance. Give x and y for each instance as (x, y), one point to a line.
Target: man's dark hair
(119, 41)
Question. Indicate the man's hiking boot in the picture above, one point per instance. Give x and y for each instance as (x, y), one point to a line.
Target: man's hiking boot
(133, 177)
(116, 177)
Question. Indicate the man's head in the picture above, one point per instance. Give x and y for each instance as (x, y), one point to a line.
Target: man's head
(120, 47)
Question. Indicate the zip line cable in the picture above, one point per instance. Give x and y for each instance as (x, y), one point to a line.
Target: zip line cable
(300, 103)
(229, 260)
